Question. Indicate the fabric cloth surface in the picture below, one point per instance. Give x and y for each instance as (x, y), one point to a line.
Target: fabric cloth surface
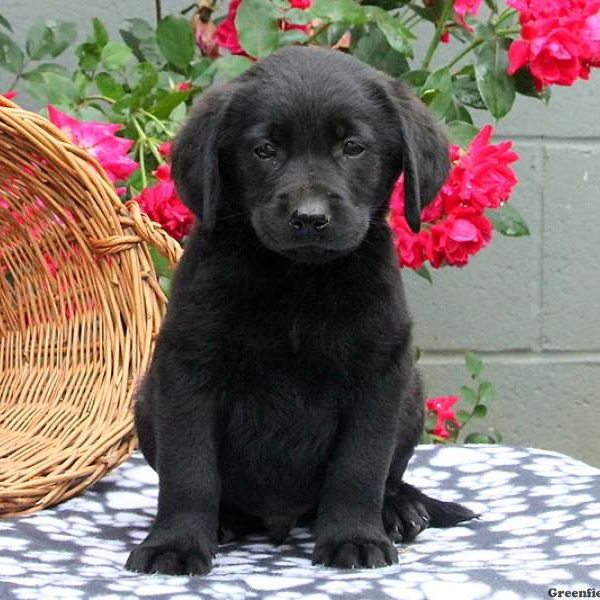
(539, 529)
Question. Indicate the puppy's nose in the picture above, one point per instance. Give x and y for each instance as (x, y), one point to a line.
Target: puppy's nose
(310, 217)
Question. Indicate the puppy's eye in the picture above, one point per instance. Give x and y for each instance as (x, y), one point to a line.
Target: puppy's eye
(352, 149)
(265, 151)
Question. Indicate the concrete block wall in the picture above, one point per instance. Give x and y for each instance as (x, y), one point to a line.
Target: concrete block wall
(530, 306)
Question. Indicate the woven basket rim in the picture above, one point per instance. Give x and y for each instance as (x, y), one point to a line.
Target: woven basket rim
(67, 377)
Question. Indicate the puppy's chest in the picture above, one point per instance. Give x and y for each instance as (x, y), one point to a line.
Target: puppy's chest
(311, 341)
(275, 448)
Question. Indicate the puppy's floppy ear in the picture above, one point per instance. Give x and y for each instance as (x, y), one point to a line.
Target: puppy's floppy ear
(195, 155)
(425, 154)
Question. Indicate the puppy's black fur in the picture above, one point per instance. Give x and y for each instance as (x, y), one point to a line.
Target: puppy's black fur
(283, 384)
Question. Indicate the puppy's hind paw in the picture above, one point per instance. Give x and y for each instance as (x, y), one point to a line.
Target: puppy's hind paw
(407, 512)
(365, 554)
(404, 517)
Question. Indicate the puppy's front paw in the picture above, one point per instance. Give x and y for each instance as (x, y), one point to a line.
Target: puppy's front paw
(171, 555)
(355, 554)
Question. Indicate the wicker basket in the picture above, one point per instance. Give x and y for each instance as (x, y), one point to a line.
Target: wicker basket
(80, 306)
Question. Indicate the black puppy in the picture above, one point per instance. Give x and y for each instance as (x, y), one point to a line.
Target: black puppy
(283, 383)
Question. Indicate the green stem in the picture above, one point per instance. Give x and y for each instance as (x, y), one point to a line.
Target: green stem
(142, 163)
(157, 121)
(155, 152)
(435, 42)
(477, 42)
(142, 139)
(99, 97)
(505, 14)
(187, 9)
(509, 31)
(474, 44)
(317, 32)
(412, 21)
(18, 75)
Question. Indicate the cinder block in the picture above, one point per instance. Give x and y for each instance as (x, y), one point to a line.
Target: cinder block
(550, 405)
(572, 112)
(492, 303)
(571, 265)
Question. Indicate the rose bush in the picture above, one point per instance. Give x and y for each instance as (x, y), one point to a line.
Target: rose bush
(127, 96)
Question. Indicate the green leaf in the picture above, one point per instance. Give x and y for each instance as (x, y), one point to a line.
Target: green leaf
(5, 23)
(50, 38)
(373, 48)
(89, 56)
(466, 91)
(486, 31)
(81, 83)
(199, 66)
(258, 27)
(36, 88)
(100, 33)
(164, 106)
(298, 16)
(525, 85)
(205, 77)
(292, 36)
(437, 92)
(11, 56)
(141, 29)
(115, 55)
(416, 78)
(468, 394)
(61, 90)
(109, 86)
(345, 11)
(91, 113)
(480, 411)
(430, 422)
(63, 35)
(461, 133)
(397, 35)
(39, 38)
(161, 264)
(176, 41)
(424, 272)
(508, 221)
(496, 87)
(165, 284)
(37, 74)
(474, 363)
(142, 79)
(464, 115)
(135, 182)
(178, 115)
(486, 392)
(479, 438)
(463, 415)
(232, 66)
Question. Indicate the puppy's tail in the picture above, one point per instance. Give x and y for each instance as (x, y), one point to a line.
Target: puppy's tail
(441, 514)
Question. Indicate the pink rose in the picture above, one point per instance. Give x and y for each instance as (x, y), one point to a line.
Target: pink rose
(462, 7)
(162, 204)
(99, 139)
(441, 406)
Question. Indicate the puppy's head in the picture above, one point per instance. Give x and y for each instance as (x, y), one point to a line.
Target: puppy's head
(306, 146)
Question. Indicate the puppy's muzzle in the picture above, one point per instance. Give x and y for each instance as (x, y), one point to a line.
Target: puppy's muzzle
(310, 218)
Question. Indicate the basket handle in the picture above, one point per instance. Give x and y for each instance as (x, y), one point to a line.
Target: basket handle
(145, 230)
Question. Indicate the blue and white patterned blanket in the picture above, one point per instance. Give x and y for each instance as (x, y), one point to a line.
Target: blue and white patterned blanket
(539, 529)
